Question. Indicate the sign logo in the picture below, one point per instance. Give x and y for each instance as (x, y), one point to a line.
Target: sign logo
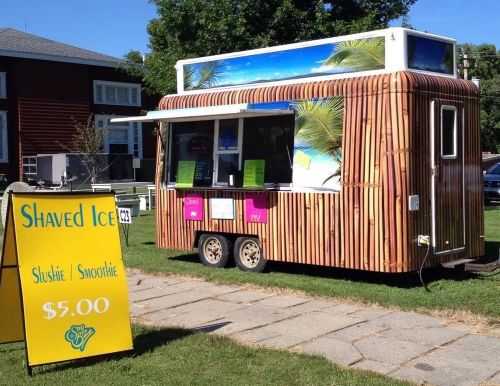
(78, 336)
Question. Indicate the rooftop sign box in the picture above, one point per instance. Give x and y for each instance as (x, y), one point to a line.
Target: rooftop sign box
(383, 51)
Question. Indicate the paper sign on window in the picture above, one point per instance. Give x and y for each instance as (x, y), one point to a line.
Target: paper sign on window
(256, 208)
(253, 174)
(185, 174)
(193, 207)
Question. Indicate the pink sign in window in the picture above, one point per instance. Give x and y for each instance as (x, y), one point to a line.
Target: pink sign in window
(256, 207)
(193, 207)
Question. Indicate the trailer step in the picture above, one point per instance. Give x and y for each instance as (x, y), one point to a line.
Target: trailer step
(487, 267)
(456, 263)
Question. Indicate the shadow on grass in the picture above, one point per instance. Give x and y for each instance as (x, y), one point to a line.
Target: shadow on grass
(399, 280)
(145, 341)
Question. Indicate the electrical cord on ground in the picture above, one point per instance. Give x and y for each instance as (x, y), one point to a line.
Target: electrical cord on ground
(422, 266)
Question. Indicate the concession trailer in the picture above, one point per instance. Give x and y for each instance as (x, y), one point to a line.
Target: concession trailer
(360, 152)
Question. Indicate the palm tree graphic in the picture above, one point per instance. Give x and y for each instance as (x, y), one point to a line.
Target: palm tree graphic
(359, 55)
(319, 124)
(206, 75)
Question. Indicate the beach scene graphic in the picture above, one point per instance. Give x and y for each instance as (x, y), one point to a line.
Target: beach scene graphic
(317, 157)
(318, 60)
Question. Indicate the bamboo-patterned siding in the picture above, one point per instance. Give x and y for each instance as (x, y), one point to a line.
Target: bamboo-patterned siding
(386, 158)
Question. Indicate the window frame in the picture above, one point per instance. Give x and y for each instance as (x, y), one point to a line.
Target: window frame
(168, 179)
(217, 152)
(131, 127)
(455, 138)
(29, 163)
(3, 85)
(129, 86)
(3, 133)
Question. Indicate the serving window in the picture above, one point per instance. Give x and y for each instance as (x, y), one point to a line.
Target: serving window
(221, 147)
(192, 141)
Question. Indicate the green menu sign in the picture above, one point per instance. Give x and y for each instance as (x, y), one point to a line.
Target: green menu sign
(185, 174)
(253, 174)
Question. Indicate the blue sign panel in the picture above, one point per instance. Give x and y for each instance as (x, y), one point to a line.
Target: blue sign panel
(430, 55)
(319, 60)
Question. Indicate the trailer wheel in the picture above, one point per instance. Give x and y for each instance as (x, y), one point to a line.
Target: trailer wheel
(248, 254)
(214, 250)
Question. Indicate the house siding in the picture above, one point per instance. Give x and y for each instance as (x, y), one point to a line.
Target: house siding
(44, 98)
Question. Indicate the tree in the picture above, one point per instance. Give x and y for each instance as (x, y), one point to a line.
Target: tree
(88, 142)
(487, 68)
(194, 28)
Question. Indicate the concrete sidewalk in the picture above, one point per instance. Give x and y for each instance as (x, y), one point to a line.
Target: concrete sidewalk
(405, 345)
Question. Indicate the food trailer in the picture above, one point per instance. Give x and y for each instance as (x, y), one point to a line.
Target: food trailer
(360, 152)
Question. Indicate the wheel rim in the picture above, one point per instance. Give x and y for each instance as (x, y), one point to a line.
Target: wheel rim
(250, 253)
(212, 250)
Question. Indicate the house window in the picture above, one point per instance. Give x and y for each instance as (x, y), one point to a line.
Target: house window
(3, 85)
(114, 93)
(29, 167)
(4, 156)
(220, 147)
(121, 138)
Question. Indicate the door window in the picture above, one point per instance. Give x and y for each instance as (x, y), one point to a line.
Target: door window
(448, 132)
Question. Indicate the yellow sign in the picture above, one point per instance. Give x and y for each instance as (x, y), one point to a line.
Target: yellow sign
(66, 248)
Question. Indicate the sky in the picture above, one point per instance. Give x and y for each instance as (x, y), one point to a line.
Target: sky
(114, 27)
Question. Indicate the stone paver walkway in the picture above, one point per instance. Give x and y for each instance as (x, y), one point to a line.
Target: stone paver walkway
(405, 345)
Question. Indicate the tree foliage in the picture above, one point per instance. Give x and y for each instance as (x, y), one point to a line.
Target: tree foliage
(487, 68)
(193, 28)
(87, 143)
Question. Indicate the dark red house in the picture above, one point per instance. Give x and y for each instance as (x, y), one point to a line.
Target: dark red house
(46, 85)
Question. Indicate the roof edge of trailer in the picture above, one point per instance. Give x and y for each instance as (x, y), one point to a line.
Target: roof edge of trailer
(399, 81)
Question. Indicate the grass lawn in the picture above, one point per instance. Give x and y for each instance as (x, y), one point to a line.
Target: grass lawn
(179, 357)
(477, 293)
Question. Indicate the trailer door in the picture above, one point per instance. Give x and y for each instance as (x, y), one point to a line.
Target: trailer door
(447, 185)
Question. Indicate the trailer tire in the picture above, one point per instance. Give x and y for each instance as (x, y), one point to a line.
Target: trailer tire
(248, 254)
(214, 250)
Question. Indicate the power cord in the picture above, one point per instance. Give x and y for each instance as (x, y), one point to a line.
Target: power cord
(424, 241)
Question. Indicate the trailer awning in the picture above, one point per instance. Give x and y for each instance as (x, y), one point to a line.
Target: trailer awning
(243, 110)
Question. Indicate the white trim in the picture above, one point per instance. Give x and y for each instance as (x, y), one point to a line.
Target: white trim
(128, 86)
(217, 152)
(58, 58)
(209, 113)
(433, 177)
(3, 133)
(450, 251)
(455, 144)
(3, 85)
(463, 171)
(215, 158)
(363, 35)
